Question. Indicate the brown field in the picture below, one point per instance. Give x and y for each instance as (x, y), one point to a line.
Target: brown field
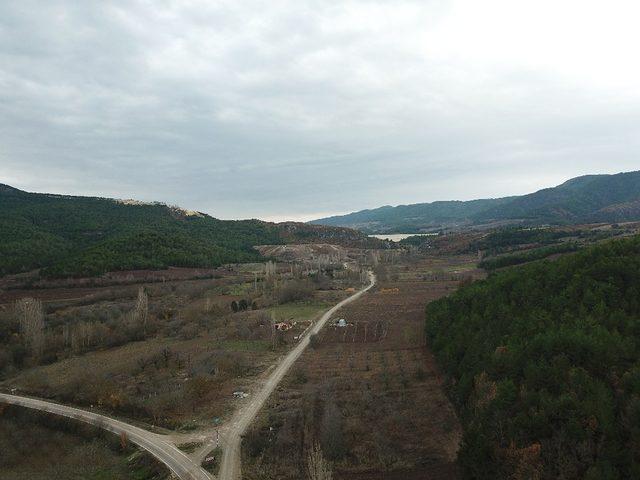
(303, 252)
(111, 285)
(181, 369)
(369, 392)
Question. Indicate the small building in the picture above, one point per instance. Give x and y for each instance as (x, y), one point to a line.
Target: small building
(341, 323)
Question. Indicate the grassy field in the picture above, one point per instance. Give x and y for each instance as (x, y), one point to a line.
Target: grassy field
(299, 311)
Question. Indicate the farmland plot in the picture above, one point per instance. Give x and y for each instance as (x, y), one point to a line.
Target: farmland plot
(368, 392)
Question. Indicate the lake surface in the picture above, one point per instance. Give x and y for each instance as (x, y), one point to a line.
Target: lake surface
(396, 237)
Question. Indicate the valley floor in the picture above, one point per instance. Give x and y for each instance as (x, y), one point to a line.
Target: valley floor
(368, 393)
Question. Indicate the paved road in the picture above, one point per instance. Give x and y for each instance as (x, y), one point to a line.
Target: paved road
(182, 466)
(230, 469)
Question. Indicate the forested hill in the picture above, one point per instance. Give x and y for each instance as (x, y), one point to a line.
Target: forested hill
(86, 236)
(543, 364)
(591, 198)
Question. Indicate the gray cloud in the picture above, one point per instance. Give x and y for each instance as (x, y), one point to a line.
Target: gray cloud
(302, 108)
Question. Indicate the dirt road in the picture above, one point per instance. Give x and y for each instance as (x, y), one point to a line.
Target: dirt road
(161, 446)
(182, 466)
(230, 468)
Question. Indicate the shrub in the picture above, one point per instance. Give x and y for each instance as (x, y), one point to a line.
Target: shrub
(314, 341)
(293, 291)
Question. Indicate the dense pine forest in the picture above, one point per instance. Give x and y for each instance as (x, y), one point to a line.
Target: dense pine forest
(543, 364)
(84, 236)
(527, 256)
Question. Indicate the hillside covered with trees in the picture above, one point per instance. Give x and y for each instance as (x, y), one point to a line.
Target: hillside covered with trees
(86, 236)
(543, 364)
(590, 198)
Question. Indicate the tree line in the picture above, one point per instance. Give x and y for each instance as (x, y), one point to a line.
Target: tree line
(527, 256)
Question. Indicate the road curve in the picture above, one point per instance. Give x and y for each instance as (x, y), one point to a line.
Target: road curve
(182, 466)
(230, 469)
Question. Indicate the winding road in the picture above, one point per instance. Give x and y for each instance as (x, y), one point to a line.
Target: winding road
(161, 447)
(181, 465)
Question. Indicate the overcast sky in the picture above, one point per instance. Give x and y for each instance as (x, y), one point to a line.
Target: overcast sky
(295, 109)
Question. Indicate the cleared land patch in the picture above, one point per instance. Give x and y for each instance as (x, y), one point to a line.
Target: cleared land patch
(368, 391)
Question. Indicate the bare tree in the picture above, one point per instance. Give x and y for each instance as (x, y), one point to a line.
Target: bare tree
(31, 318)
(273, 331)
(66, 335)
(331, 434)
(269, 269)
(82, 336)
(141, 311)
(317, 466)
(373, 257)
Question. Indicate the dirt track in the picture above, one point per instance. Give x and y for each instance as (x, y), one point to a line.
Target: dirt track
(162, 448)
(231, 463)
(183, 467)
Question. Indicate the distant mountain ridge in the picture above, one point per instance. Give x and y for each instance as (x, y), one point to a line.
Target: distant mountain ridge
(589, 198)
(85, 236)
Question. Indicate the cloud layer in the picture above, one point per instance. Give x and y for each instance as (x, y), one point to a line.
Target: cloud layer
(297, 109)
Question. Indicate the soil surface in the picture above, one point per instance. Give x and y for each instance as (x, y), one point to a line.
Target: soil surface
(377, 376)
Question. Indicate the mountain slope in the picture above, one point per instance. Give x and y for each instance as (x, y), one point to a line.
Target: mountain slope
(78, 236)
(590, 198)
(409, 218)
(580, 199)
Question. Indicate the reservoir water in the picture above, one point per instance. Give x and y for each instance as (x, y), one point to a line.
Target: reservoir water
(396, 237)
